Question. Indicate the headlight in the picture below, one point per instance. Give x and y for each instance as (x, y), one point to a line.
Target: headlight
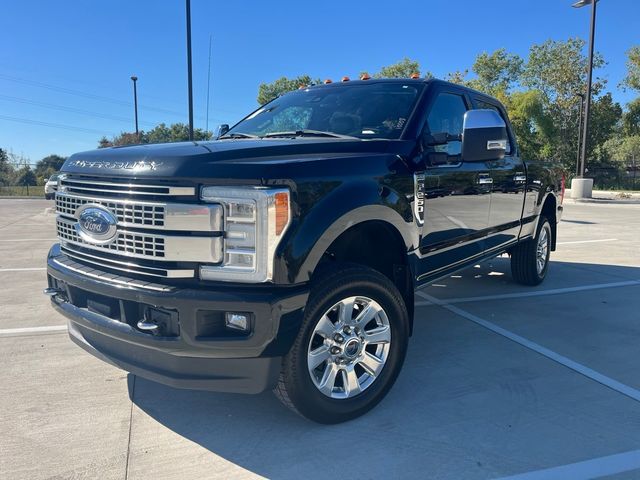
(255, 219)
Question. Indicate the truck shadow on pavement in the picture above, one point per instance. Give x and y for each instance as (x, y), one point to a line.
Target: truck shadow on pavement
(468, 404)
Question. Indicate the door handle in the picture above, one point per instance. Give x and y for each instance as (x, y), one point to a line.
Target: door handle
(485, 181)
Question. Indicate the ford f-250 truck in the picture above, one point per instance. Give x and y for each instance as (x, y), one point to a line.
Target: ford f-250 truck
(285, 254)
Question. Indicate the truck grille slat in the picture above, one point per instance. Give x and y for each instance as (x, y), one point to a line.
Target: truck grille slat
(71, 183)
(128, 213)
(129, 267)
(131, 244)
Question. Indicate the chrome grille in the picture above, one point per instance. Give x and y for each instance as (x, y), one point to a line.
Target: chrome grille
(87, 185)
(128, 213)
(101, 260)
(155, 236)
(131, 244)
(71, 264)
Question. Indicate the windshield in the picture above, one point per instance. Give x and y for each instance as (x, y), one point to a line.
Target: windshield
(375, 110)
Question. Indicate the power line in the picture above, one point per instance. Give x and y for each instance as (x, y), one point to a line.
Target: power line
(28, 121)
(79, 93)
(102, 98)
(69, 109)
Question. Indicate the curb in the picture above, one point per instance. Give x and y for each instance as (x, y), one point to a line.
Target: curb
(604, 201)
(22, 197)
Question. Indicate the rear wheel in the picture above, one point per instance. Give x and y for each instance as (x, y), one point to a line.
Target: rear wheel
(530, 259)
(350, 347)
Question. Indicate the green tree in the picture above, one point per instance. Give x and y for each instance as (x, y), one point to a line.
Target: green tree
(6, 170)
(25, 176)
(496, 73)
(48, 166)
(631, 118)
(270, 91)
(533, 127)
(623, 150)
(177, 132)
(402, 69)
(632, 80)
(605, 121)
(458, 77)
(557, 70)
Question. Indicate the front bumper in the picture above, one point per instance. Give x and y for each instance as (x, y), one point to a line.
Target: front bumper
(193, 350)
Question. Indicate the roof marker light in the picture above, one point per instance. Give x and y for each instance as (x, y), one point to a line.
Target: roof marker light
(415, 75)
(365, 76)
(345, 79)
(302, 87)
(327, 81)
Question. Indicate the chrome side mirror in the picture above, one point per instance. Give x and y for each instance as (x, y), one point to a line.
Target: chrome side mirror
(484, 136)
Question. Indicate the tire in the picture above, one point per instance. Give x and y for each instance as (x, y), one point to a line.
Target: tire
(348, 389)
(530, 259)
(48, 196)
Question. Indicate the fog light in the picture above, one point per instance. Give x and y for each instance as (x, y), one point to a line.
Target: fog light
(237, 321)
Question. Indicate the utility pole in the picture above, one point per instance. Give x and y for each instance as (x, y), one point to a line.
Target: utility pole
(135, 103)
(189, 75)
(208, 83)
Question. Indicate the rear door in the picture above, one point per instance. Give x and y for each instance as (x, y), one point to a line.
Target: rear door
(456, 194)
(508, 177)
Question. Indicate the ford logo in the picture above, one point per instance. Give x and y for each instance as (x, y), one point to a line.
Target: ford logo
(96, 224)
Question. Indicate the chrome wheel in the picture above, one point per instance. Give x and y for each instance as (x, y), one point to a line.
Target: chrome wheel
(542, 250)
(349, 347)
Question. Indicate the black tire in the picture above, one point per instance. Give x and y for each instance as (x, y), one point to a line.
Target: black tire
(296, 389)
(48, 196)
(524, 257)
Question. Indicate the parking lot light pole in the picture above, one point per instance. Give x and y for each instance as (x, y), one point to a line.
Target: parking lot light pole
(584, 186)
(135, 103)
(581, 96)
(189, 79)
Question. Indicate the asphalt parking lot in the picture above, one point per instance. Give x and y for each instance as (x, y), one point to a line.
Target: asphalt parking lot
(500, 381)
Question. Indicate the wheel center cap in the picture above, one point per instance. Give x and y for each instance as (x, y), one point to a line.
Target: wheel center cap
(352, 348)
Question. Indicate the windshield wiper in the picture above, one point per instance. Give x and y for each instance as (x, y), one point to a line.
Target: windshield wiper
(237, 135)
(306, 133)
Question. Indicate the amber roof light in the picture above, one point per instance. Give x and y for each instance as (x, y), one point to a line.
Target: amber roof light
(328, 81)
(415, 75)
(365, 76)
(345, 79)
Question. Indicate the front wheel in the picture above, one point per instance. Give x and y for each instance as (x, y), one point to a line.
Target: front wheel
(530, 259)
(350, 348)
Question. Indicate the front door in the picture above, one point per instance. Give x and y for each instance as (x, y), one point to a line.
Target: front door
(508, 177)
(456, 194)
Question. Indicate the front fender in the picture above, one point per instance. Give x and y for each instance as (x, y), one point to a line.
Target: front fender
(347, 205)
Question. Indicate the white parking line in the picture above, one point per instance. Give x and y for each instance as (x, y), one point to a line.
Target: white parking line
(588, 241)
(14, 332)
(556, 357)
(594, 468)
(535, 293)
(32, 269)
(29, 240)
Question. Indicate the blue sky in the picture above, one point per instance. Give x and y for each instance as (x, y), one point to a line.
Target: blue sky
(68, 63)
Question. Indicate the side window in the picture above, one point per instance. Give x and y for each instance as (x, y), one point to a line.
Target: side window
(482, 105)
(447, 116)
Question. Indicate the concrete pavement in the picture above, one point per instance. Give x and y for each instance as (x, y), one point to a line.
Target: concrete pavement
(470, 402)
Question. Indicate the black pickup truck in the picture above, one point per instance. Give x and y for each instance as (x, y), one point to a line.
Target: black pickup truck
(285, 254)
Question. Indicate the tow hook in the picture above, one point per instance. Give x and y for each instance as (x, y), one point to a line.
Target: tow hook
(146, 326)
(56, 293)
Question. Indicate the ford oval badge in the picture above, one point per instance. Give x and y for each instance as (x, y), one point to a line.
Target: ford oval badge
(96, 224)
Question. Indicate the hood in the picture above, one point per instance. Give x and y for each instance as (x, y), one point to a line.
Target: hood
(223, 158)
